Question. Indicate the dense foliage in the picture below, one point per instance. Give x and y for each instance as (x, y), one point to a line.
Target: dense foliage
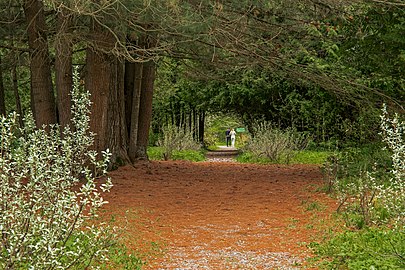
(371, 195)
(334, 78)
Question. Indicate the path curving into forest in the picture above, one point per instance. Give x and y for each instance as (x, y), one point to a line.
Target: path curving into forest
(220, 215)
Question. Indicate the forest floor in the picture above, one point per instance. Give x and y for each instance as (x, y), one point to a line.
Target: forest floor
(220, 215)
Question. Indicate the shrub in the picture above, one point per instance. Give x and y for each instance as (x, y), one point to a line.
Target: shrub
(49, 194)
(370, 182)
(391, 195)
(373, 200)
(176, 139)
(275, 144)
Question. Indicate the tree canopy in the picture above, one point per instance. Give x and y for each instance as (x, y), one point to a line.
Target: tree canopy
(286, 61)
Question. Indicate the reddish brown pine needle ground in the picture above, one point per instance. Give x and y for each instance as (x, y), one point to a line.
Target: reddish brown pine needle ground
(217, 215)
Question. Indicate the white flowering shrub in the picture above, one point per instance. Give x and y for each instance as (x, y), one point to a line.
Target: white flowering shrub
(373, 191)
(391, 195)
(49, 194)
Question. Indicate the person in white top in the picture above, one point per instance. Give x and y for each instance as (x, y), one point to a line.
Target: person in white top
(233, 137)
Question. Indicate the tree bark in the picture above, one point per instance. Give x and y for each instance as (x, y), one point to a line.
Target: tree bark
(105, 82)
(43, 100)
(135, 112)
(145, 110)
(2, 100)
(117, 128)
(129, 91)
(63, 69)
(98, 84)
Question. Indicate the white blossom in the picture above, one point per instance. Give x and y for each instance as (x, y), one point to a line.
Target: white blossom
(47, 193)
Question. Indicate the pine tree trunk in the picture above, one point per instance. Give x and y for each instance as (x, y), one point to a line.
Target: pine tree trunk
(43, 100)
(2, 100)
(98, 85)
(145, 110)
(105, 83)
(117, 128)
(129, 91)
(135, 112)
(63, 68)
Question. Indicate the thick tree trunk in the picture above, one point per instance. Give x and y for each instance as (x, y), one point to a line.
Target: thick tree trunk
(2, 100)
(43, 100)
(98, 84)
(63, 68)
(136, 103)
(105, 82)
(117, 128)
(128, 91)
(145, 110)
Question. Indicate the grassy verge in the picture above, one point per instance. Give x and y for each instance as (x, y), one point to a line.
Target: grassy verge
(156, 153)
(371, 248)
(301, 157)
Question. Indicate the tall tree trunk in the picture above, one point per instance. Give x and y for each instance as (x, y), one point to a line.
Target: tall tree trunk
(145, 110)
(129, 91)
(201, 127)
(63, 68)
(98, 84)
(43, 100)
(105, 82)
(2, 100)
(117, 128)
(135, 112)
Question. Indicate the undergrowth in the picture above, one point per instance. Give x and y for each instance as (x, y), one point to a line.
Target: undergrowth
(370, 185)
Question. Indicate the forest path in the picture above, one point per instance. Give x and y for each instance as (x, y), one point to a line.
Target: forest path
(222, 154)
(219, 215)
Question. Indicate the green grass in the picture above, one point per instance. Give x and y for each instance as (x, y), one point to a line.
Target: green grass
(121, 258)
(213, 147)
(247, 157)
(371, 248)
(313, 206)
(302, 157)
(156, 153)
(310, 157)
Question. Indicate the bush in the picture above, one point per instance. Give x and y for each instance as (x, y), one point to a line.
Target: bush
(370, 182)
(275, 144)
(49, 194)
(176, 139)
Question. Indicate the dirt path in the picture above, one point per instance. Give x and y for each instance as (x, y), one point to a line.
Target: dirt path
(216, 215)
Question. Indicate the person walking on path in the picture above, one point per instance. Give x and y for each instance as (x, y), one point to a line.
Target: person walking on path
(233, 137)
(228, 137)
